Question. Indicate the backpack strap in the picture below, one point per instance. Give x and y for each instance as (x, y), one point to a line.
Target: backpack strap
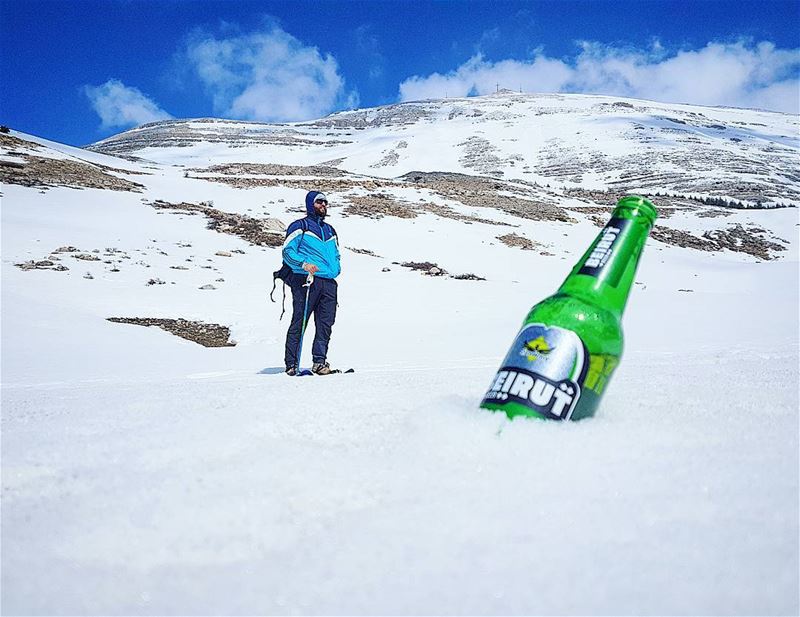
(275, 276)
(283, 302)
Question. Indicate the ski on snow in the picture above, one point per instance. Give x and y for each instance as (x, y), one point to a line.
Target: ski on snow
(305, 372)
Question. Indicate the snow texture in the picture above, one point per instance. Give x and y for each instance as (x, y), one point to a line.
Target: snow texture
(145, 474)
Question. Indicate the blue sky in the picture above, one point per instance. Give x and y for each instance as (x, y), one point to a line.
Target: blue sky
(79, 70)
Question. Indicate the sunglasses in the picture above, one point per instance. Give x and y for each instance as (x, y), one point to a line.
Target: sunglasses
(321, 201)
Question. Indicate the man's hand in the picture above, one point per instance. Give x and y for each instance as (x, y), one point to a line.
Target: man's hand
(310, 268)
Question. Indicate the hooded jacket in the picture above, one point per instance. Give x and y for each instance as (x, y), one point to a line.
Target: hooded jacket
(319, 245)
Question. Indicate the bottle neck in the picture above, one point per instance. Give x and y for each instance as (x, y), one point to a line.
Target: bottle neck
(604, 275)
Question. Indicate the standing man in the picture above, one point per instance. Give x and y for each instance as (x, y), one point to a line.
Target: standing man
(311, 250)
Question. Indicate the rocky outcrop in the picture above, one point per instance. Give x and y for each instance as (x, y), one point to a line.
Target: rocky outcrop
(515, 241)
(260, 232)
(736, 239)
(270, 169)
(207, 335)
(483, 192)
(39, 171)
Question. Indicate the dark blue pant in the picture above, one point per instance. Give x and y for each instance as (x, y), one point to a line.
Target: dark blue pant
(321, 304)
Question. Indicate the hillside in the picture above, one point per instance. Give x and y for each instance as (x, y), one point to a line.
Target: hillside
(173, 469)
(568, 141)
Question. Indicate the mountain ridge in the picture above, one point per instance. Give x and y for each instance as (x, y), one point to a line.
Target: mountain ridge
(573, 141)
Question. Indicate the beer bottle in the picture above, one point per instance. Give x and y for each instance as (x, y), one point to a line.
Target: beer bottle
(562, 360)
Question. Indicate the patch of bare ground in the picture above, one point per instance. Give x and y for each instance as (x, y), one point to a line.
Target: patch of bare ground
(483, 192)
(750, 241)
(684, 239)
(431, 269)
(260, 232)
(712, 213)
(740, 178)
(448, 213)
(207, 335)
(481, 155)
(328, 185)
(391, 115)
(183, 133)
(602, 203)
(38, 171)
(378, 205)
(268, 169)
(736, 239)
(516, 241)
(426, 267)
(363, 252)
(12, 142)
(387, 161)
(334, 162)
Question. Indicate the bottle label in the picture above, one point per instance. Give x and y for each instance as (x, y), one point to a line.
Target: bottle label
(542, 371)
(600, 254)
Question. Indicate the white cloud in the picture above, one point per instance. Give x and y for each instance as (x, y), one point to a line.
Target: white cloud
(738, 74)
(119, 105)
(267, 76)
(478, 76)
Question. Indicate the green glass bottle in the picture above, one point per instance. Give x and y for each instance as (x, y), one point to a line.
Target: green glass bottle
(562, 360)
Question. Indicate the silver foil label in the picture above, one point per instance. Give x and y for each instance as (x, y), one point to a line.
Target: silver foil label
(542, 371)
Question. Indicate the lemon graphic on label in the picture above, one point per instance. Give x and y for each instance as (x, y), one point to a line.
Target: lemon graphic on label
(536, 348)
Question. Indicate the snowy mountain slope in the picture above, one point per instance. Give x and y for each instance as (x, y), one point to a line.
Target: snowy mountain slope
(146, 474)
(573, 141)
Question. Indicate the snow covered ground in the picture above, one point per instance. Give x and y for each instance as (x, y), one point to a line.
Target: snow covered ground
(145, 474)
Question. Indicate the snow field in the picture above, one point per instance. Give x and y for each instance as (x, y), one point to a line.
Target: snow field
(144, 474)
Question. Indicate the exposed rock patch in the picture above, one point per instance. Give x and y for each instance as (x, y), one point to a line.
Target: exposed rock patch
(377, 206)
(329, 185)
(742, 240)
(736, 239)
(42, 264)
(11, 142)
(363, 252)
(391, 115)
(446, 212)
(207, 335)
(483, 192)
(515, 241)
(431, 269)
(185, 133)
(267, 169)
(260, 232)
(38, 171)
(426, 267)
(684, 239)
(481, 155)
(388, 160)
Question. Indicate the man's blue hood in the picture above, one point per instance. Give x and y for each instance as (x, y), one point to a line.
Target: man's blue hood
(310, 197)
